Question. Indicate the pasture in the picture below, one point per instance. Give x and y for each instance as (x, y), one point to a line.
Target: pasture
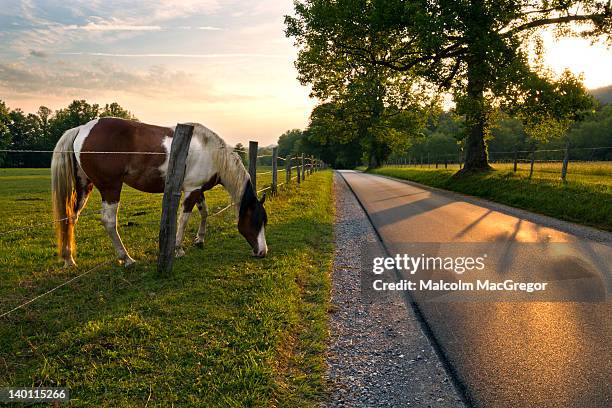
(585, 198)
(226, 330)
(594, 172)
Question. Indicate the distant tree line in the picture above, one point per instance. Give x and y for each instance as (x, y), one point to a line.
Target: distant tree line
(442, 135)
(42, 130)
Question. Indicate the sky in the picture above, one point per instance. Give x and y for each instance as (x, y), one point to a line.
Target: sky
(223, 63)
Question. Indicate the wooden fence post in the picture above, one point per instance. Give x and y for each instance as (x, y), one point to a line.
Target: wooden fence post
(515, 158)
(298, 172)
(253, 163)
(288, 170)
(532, 162)
(565, 161)
(172, 197)
(274, 169)
(303, 169)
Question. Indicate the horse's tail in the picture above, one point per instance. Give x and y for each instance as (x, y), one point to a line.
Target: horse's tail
(63, 190)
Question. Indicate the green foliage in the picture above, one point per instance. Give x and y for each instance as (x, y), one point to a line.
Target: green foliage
(42, 130)
(289, 143)
(115, 110)
(476, 49)
(242, 152)
(548, 106)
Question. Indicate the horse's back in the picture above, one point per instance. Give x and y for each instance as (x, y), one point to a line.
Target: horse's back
(130, 152)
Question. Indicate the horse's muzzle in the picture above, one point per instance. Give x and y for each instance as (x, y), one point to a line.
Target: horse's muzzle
(261, 253)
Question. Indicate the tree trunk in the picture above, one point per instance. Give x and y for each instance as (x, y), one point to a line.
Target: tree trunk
(476, 120)
(373, 162)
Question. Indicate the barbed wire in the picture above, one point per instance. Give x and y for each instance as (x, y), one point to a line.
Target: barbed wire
(83, 214)
(55, 288)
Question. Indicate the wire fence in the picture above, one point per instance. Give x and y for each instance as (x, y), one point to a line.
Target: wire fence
(304, 165)
(557, 161)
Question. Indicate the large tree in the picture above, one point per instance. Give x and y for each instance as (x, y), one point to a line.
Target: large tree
(468, 47)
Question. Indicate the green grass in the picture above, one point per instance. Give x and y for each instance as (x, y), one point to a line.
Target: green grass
(585, 198)
(226, 330)
(584, 172)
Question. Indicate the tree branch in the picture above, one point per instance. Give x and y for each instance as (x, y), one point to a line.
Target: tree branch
(554, 20)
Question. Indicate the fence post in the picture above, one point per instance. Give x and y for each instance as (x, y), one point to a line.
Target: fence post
(303, 168)
(565, 161)
(274, 169)
(532, 162)
(515, 158)
(253, 163)
(299, 173)
(172, 197)
(288, 170)
(446, 163)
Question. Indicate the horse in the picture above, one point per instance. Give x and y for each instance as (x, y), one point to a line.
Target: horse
(108, 152)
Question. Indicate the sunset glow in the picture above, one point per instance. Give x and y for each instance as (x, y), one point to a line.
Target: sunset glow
(226, 64)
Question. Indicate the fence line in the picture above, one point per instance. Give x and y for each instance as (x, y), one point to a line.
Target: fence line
(518, 156)
(314, 165)
(54, 289)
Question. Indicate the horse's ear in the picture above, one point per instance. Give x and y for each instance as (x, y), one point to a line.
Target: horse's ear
(263, 198)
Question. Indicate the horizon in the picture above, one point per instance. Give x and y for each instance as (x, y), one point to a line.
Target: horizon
(227, 66)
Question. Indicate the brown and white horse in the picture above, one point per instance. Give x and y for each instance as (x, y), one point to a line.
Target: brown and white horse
(137, 154)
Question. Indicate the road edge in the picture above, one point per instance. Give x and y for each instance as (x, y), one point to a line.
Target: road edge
(458, 385)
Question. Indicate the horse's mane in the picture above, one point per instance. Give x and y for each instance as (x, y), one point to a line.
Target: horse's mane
(232, 172)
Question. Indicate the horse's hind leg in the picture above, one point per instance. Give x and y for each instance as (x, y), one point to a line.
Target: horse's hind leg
(199, 241)
(190, 200)
(110, 207)
(83, 190)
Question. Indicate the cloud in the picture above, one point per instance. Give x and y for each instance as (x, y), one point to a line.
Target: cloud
(173, 55)
(38, 54)
(81, 80)
(66, 77)
(60, 25)
(111, 26)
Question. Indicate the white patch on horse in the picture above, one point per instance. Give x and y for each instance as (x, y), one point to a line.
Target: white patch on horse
(84, 131)
(200, 166)
(262, 247)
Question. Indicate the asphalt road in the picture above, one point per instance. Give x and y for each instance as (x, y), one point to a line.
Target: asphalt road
(506, 354)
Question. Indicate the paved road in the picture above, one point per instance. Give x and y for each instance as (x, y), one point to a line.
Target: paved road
(503, 354)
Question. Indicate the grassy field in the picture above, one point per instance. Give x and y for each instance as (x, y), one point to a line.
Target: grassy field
(226, 330)
(585, 198)
(584, 172)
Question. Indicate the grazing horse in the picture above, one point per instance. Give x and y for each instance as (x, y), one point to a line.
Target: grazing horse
(108, 152)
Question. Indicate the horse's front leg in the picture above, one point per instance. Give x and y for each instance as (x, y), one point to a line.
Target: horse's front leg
(199, 241)
(110, 207)
(191, 198)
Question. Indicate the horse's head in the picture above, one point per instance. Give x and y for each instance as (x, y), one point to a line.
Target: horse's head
(252, 221)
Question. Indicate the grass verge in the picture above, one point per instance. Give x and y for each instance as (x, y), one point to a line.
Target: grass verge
(587, 203)
(226, 330)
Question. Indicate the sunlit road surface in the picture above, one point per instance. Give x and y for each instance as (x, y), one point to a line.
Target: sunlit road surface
(518, 354)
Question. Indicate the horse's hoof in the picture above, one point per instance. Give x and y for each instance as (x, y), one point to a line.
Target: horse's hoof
(179, 252)
(69, 263)
(199, 244)
(129, 263)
